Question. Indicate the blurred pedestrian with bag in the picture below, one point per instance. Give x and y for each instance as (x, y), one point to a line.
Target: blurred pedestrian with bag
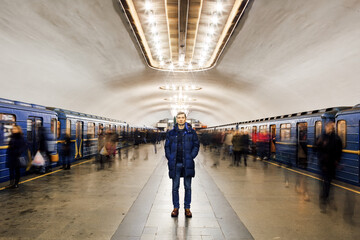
(17, 149)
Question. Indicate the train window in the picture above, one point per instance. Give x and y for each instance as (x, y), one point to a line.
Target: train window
(91, 130)
(79, 130)
(341, 131)
(285, 132)
(263, 129)
(54, 127)
(29, 130)
(7, 122)
(68, 127)
(318, 127)
(58, 129)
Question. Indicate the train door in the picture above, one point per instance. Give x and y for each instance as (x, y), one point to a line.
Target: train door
(32, 133)
(302, 153)
(79, 139)
(272, 141)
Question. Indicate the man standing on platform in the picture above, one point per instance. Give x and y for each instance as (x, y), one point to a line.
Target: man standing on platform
(181, 147)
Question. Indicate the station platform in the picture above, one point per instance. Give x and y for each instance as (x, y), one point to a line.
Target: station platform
(132, 200)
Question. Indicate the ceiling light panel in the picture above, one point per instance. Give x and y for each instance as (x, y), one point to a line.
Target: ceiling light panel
(183, 35)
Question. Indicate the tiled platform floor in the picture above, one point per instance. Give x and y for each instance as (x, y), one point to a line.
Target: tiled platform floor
(132, 200)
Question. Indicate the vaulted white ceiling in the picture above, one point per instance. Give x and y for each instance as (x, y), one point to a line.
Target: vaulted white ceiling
(285, 56)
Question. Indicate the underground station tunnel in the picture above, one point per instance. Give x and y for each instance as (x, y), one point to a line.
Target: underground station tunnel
(179, 119)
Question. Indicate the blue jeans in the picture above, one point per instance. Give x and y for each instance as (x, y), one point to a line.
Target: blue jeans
(176, 185)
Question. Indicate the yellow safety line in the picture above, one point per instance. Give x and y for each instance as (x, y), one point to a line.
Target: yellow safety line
(46, 174)
(308, 175)
(4, 147)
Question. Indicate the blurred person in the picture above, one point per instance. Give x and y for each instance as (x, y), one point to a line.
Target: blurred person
(110, 147)
(114, 136)
(205, 139)
(263, 140)
(329, 147)
(349, 207)
(254, 145)
(101, 150)
(137, 142)
(301, 186)
(153, 139)
(44, 149)
(17, 147)
(181, 147)
(66, 153)
(244, 146)
(227, 145)
(217, 142)
(236, 142)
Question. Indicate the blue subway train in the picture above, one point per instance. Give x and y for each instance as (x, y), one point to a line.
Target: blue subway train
(83, 130)
(291, 138)
(29, 117)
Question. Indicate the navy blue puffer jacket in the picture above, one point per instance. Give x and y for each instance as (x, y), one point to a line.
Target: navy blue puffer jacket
(190, 150)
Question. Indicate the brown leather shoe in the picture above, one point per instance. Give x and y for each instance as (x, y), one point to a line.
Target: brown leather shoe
(188, 213)
(175, 212)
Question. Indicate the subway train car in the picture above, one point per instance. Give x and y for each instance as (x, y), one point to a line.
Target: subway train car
(348, 128)
(84, 130)
(290, 139)
(29, 117)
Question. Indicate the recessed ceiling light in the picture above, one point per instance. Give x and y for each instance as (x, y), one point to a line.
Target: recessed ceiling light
(148, 5)
(219, 6)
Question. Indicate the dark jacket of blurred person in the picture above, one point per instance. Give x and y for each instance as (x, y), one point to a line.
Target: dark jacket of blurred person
(205, 138)
(236, 141)
(137, 137)
(17, 147)
(241, 142)
(66, 152)
(43, 147)
(329, 147)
